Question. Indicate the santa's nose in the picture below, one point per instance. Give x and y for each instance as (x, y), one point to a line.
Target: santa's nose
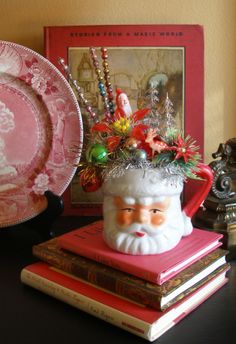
(142, 216)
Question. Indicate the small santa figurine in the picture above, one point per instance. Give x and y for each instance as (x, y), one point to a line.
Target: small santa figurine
(123, 105)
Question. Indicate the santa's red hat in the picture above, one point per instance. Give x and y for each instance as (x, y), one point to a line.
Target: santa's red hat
(118, 93)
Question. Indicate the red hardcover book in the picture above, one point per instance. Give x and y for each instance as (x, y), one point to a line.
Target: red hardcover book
(88, 242)
(142, 321)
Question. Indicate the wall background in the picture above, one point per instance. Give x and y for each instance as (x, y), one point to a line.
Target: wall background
(22, 21)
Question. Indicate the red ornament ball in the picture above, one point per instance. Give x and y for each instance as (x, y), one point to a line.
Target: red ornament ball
(90, 183)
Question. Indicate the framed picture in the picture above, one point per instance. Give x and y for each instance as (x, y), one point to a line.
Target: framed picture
(168, 57)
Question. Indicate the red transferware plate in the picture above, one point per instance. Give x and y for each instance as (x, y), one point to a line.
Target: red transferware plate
(40, 133)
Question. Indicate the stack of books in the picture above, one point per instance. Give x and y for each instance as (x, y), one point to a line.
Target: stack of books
(146, 295)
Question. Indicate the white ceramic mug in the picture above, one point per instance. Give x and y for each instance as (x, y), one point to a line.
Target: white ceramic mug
(142, 210)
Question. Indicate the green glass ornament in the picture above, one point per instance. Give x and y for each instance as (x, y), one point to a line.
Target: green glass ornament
(140, 154)
(97, 154)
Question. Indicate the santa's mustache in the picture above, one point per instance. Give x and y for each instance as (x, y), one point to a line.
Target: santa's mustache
(139, 228)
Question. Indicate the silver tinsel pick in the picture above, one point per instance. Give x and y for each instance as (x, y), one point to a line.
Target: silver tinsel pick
(118, 167)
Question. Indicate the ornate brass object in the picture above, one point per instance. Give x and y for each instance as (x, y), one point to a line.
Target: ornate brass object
(218, 212)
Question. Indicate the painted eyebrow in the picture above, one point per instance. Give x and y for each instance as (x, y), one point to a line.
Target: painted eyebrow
(128, 208)
(157, 209)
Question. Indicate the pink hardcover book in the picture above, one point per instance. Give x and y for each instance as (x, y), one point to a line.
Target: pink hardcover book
(88, 242)
(142, 321)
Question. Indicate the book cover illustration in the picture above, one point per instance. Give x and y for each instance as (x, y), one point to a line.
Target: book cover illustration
(134, 49)
(129, 286)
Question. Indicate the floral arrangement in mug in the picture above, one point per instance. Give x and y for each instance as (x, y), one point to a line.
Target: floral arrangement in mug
(141, 162)
(123, 139)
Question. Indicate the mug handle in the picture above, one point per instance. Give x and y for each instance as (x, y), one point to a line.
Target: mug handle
(205, 173)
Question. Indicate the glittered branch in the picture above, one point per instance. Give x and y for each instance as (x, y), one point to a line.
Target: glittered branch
(168, 112)
(78, 90)
(101, 86)
(106, 72)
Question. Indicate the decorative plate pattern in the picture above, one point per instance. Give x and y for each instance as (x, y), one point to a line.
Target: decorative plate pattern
(40, 133)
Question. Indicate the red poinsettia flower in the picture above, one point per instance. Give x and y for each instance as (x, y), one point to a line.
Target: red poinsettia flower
(122, 127)
(184, 148)
(101, 127)
(138, 132)
(140, 114)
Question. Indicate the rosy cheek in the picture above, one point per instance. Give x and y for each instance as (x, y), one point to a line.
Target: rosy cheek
(158, 219)
(124, 218)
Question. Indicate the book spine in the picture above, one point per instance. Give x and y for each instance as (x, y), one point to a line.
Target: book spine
(93, 307)
(100, 276)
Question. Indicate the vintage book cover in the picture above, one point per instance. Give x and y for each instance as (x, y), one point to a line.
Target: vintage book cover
(129, 286)
(88, 242)
(175, 52)
(142, 321)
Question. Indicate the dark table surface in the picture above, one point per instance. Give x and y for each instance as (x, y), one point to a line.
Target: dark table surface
(28, 316)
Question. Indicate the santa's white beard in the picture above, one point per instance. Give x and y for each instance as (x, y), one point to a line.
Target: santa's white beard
(155, 240)
(127, 109)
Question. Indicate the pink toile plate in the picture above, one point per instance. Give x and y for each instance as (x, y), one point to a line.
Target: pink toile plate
(41, 133)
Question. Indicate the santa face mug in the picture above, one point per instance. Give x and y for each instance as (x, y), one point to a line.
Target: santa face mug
(142, 210)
